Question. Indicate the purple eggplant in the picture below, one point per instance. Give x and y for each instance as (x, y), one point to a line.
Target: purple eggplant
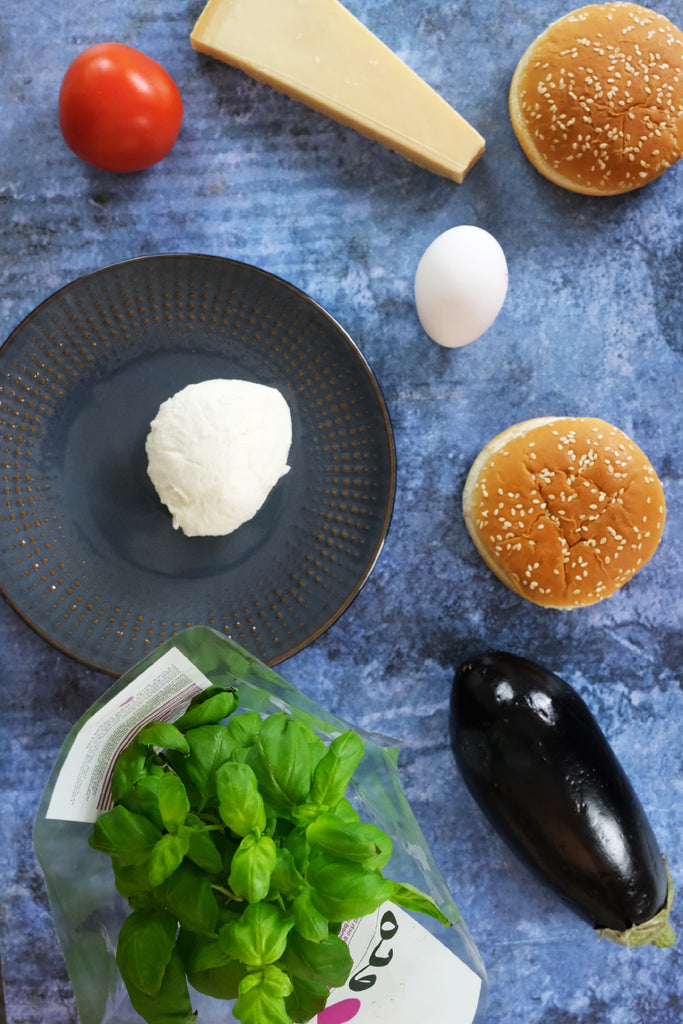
(535, 760)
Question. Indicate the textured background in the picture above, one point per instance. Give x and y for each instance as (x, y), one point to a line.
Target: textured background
(591, 325)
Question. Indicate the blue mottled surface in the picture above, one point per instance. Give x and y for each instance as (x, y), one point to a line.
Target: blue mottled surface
(593, 324)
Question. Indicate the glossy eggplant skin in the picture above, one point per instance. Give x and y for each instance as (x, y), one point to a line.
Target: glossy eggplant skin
(535, 760)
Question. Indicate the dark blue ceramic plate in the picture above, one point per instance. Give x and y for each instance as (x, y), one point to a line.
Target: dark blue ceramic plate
(88, 555)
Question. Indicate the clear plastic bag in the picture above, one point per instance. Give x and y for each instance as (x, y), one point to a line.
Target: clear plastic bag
(88, 911)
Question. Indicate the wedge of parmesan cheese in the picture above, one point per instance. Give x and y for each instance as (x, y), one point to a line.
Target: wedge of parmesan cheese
(317, 52)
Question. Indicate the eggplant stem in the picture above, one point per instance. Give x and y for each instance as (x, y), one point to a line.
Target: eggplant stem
(656, 932)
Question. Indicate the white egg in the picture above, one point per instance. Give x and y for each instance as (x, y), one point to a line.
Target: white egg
(460, 285)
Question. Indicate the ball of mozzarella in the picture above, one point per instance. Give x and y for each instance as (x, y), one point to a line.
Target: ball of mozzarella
(215, 450)
(460, 285)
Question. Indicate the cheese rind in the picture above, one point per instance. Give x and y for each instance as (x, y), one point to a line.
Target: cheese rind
(317, 52)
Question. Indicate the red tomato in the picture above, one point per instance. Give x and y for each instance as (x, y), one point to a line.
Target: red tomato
(118, 109)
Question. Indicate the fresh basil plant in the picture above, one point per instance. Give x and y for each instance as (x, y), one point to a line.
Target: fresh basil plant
(240, 858)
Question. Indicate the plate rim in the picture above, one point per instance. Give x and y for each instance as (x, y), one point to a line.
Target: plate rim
(311, 637)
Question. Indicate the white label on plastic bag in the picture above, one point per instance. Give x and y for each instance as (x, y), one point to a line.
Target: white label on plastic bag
(161, 693)
(401, 975)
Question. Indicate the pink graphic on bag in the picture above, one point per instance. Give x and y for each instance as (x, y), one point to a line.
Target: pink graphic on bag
(339, 1013)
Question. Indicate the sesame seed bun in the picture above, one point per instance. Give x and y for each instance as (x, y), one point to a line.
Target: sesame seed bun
(596, 101)
(564, 510)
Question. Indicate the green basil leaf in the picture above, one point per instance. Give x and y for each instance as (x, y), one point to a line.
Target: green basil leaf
(204, 852)
(226, 846)
(210, 746)
(188, 894)
(297, 844)
(210, 691)
(334, 772)
(171, 1004)
(346, 811)
(262, 997)
(132, 880)
(163, 735)
(285, 880)
(143, 901)
(145, 798)
(308, 998)
(129, 766)
(126, 836)
(308, 920)
(208, 709)
(304, 814)
(243, 755)
(343, 890)
(174, 805)
(284, 758)
(358, 841)
(226, 918)
(202, 952)
(259, 937)
(328, 962)
(245, 728)
(220, 982)
(410, 898)
(145, 944)
(252, 867)
(240, 804)
(166, 856)
(278, 828)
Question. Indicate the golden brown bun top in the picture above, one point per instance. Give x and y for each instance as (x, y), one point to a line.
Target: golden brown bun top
(564, 510)
(597, 99)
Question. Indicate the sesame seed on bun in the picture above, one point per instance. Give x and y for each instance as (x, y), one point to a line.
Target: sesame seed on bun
(564, 510)
(596, 100)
